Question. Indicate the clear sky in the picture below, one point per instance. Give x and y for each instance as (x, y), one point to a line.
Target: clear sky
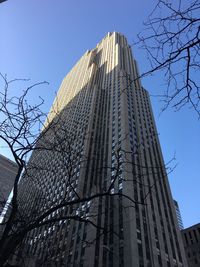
(42, 40)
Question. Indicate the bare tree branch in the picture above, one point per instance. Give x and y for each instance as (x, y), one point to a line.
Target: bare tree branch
(171, 40)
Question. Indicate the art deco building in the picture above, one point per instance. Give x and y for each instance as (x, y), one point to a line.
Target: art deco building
(106, 141)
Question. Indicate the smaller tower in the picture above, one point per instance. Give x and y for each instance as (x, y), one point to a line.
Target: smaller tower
(178, 214)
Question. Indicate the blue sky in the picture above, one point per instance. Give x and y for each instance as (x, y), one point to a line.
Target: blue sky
(42, 40)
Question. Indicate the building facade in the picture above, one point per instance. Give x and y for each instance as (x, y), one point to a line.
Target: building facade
(178, 215)
(8, 171)
(191, 240)
(105, 145)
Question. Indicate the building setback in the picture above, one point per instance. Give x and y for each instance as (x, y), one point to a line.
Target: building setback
(103, 117)
(191, 240)
(8, 171)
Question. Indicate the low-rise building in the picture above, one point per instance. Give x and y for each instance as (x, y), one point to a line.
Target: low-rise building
(191, 240)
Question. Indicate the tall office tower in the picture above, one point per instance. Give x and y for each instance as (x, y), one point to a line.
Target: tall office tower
(8, 171)
(106, 142)
(178, 215)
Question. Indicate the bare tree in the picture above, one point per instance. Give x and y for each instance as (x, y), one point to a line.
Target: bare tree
(171, 39)
(20, 131)
(19, 128)
(34, 150)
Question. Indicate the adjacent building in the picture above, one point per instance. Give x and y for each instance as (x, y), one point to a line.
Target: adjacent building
(178, 215)
(102, 124)
(191, 240)
(8, 171)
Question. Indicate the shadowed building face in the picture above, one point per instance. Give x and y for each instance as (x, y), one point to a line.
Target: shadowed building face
(191, 240)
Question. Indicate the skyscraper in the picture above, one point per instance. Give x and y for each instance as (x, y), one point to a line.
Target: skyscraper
(103, 121)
